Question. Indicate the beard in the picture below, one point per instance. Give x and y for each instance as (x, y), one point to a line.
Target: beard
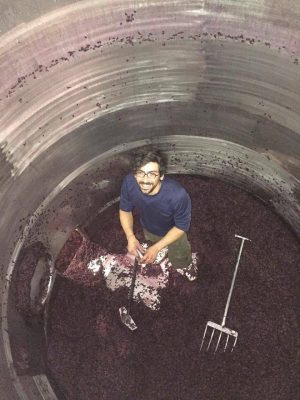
(147, 187)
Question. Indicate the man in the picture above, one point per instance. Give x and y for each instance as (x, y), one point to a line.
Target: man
(164, 209)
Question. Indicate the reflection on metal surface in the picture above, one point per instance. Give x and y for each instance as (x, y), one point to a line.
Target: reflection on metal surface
(215, 84)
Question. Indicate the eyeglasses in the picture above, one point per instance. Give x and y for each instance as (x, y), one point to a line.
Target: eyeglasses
(151, 174)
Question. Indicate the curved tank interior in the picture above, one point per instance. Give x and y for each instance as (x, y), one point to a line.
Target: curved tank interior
(215, 84)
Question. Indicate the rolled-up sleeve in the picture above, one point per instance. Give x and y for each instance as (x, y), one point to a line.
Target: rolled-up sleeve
(183, 212)
(125, 202)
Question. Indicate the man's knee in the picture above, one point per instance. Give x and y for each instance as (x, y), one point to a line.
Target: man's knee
(180, 253)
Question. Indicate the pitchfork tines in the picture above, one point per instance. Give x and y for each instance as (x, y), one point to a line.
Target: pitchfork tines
(222, 328)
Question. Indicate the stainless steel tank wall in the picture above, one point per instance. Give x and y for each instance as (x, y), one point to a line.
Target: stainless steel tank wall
(214, 84)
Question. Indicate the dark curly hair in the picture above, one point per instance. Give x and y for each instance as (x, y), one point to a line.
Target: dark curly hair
(142, 158)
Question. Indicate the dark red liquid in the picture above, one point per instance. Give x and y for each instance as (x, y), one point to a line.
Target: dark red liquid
(91, 355)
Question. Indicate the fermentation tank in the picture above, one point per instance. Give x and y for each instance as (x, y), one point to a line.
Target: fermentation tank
(214, 84)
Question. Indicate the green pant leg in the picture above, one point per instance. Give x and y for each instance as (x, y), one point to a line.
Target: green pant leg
(151, 237)
(179, 252)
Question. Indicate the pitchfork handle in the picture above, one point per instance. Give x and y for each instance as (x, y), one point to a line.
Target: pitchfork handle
(130, 296)
(234, 276)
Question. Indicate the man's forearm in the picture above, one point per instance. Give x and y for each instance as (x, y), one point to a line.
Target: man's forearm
(126, 220)
(170, 237)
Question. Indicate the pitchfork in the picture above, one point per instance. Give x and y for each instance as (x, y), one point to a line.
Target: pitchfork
(222, 328)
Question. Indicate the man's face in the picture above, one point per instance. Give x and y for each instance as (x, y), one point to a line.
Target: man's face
(148, 178)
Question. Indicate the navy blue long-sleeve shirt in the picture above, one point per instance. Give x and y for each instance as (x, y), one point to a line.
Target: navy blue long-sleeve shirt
(160, 212)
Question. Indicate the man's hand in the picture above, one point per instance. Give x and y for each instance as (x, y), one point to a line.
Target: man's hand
(134, 245)
(150, 255)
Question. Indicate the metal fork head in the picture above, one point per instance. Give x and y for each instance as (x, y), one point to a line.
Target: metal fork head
(212, 327)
